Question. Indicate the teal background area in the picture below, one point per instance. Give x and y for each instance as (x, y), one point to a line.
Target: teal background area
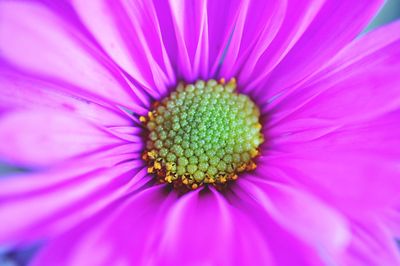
(389, 13)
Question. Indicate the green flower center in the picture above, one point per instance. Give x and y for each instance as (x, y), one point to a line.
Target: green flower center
(202, 133)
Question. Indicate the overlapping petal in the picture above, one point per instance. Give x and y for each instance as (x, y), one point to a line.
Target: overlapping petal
(315, 222)
(373, 243)
(38, 42)
(159, 42)
(20, 92)
(165, 231)
(38, 206)
(355, 168)
(129, 31)
(41, 138)
(322, 35)
(342, 128)
(360, 82)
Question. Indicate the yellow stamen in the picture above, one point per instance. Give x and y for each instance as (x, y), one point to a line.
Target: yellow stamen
(142, 119)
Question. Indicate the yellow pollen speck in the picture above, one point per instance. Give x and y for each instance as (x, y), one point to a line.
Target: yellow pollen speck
(151, 116)
(241, 168)
(253, 153)
(157, 165)
(152, 154)
(169, 178)
(169, 166)
(251, 166)
(142, 119)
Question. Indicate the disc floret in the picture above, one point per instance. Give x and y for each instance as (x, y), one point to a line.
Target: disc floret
(202, 133)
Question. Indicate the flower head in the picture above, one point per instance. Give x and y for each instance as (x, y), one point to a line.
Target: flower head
(200, 132)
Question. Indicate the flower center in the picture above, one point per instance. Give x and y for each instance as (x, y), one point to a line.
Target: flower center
(202, 133)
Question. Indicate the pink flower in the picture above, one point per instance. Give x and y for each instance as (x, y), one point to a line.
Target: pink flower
(75, 76)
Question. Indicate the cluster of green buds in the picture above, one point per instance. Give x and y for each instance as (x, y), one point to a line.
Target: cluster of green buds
(202, 133)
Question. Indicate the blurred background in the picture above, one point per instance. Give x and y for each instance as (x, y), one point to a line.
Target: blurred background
(389, 13)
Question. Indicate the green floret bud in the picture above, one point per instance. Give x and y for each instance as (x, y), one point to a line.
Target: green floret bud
(202, 133)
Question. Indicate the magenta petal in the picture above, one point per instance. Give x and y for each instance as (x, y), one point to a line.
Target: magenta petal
(190, 22)
(373, 244)
(129, 32)
(117, 236)
(156, 229)
(341, 127)
(255, 26)
(300, 213)
(393, 222)
(201, 33)
(39, 138)
(156, 42)
(57, 199)
(359, 83)
(297, 17)
(332, 28)
(40, 43)
(355, 167)
(207, 230)
(194, 34)
(21, 92)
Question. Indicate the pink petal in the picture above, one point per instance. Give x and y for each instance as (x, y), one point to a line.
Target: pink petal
(190, 23)
(21, 92)
(372, 244)
(361, 83)
(306, 217)
(195, 34)
(64, 196)
(297, 17)
(157, 41)
(41, 43)
(129, 32)
(117, 235)
(393, 221)
(354, 167)
(255, 26)
(326, 33)
(337, 133)
(197, 45)
(38, 138)
(363, 75)
(151, 225)
(206, 223)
